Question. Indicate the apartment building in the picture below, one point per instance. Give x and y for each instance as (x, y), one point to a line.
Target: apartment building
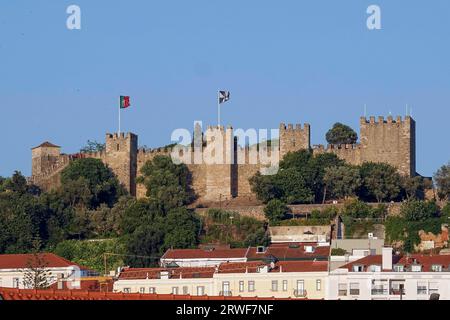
(279, 279)
(391, 277)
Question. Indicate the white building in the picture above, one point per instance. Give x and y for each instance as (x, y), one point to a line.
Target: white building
(13, 268)
(282, 279)
(388, 277)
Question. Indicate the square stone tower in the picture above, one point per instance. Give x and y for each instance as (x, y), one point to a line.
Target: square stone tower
(391, 141)
(294, 139)
(44, 157)
(121, 157)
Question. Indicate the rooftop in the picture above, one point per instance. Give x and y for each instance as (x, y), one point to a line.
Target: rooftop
(21, 261)
(426, 261)
(46, 144)
(17, 294)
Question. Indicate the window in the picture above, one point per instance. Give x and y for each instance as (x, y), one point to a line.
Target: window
(416, 268)
(342, 289)
(421, 287)
(274, 285)
(436, 268)
(0, 282)
(300, 291)
(152, 290)
(126, 290)
(174, 290)
(374, 268)
(354, 289)
(318, 285)
(200, 290)
(185, 290)
(399, 268)
(241, 286)
(358, 268)
(251, 286)
(226, 288)
(16, 283)
(284, 285)
(433, 287)
(142, 290)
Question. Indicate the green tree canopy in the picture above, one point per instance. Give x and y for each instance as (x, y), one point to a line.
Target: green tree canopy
(342, 181)
(341, 134)
(167, 184)
(418, 210)
(91, 180)
(442, 180)
(93, 146)
(276, 210)
(381, 181)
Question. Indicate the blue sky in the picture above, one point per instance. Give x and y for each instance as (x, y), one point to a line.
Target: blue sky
(283, 61)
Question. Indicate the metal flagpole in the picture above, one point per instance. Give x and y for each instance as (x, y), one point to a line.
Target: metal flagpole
(218, 108)
(119, 114)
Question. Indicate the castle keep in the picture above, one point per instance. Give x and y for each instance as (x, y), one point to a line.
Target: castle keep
(381, 140)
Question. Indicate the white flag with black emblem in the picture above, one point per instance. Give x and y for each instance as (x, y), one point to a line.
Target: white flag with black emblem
(224, 96)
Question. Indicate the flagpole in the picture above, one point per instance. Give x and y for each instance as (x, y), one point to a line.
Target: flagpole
(218, 108)
(119, 115)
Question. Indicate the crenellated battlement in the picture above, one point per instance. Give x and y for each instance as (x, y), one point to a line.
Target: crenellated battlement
(389, 120)
(390, 140)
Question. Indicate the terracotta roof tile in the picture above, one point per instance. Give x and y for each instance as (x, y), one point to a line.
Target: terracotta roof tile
(20, 261)
(47, 144)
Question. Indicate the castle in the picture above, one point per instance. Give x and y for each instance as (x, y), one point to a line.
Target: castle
(381, 140)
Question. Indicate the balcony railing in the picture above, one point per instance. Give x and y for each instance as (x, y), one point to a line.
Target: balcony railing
(397, 292)
(225, 293)
(299, 293)
(379, 291)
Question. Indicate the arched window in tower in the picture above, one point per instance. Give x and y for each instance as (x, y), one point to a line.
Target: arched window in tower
(118, 147)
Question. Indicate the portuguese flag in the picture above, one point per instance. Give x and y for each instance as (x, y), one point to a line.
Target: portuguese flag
(124, 102)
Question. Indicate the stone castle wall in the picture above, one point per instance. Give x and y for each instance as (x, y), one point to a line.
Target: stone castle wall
(391, 141)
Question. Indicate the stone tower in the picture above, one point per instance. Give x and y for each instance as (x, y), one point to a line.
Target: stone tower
(219, 156)
(44, 157)
(391, 141)
(294, 139)
(121, 157)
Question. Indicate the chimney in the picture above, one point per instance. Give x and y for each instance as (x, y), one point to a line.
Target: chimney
(386, 258)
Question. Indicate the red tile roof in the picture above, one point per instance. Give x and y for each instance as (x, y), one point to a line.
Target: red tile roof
(282, 251)
(227, 267)
(20, 261)
(17, 294)
(204, 254)
(425, 260)
(154, 273)
(47, 144)
(291, 251)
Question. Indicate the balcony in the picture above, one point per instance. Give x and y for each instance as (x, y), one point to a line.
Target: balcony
(225, 293)
(379, 291)
(299, 293)
(397, 292)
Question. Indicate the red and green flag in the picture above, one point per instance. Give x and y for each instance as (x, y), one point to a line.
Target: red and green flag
(124, 102)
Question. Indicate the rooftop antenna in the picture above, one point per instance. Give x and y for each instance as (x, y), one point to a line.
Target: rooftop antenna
(365, 110)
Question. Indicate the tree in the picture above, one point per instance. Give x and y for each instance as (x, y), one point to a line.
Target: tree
(380, 181)
(93, 146)
(36, 274)
(167, 184)
(341, 134)
(91, 174)
(276, 210)
(442, 180)
(412, 186)
(342, 181)
(182, 228)
(418, 210)
(144, 246)
(357, 209)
